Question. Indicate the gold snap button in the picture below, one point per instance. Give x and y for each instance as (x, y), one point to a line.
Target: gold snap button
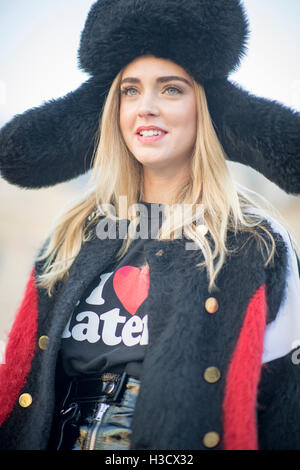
(211, 305)
(160, 253)
(212, 375)
(25, 400)
(211, 439)
(43, 342)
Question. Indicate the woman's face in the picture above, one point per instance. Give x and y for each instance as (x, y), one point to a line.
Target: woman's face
(151, 98)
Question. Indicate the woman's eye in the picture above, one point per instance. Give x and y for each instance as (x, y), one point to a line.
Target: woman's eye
(174, 88)
(126, 90)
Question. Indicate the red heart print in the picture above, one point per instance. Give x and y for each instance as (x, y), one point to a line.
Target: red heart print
(131, 285)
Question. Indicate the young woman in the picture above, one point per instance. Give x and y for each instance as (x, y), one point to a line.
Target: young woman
(162, 310)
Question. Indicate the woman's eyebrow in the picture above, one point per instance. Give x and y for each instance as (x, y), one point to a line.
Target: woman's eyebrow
(159, 79)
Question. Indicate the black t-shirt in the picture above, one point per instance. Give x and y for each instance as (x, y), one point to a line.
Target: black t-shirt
(108, 330)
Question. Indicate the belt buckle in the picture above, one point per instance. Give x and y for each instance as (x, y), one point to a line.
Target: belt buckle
(114, 390)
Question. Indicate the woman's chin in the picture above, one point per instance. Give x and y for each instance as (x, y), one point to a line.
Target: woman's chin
(153, 162)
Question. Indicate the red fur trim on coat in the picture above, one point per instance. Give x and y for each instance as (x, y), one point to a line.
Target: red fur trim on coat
(239, 407)
(19, 351)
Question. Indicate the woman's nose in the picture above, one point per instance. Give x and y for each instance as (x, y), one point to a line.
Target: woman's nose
(148, 105)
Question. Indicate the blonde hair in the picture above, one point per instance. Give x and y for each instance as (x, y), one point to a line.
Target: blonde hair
(116, 173)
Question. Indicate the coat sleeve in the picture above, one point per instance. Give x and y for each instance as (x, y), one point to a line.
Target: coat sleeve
(16, 367)
(278, 404)
(17, 362)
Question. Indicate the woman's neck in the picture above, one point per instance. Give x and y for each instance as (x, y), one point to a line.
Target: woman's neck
(159, 187)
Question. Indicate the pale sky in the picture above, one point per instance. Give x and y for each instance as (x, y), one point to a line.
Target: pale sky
(39, 41)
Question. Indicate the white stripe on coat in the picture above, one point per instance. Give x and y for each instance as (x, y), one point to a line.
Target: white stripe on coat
(283, 334)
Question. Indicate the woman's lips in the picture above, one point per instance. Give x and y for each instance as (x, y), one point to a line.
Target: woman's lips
(154, 138)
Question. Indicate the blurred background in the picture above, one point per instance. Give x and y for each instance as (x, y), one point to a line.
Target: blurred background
(38, 61)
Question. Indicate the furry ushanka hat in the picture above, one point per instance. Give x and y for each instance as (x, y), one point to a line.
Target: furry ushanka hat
(55, 142)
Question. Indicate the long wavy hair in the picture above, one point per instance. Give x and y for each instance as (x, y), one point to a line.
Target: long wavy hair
(117, 173)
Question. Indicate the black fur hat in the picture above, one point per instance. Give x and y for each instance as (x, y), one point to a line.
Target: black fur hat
(54, 142)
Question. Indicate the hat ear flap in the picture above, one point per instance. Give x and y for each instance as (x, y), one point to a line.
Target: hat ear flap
(258, 132)
(54, 142)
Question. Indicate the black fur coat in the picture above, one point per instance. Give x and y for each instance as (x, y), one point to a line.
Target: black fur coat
(251, 406)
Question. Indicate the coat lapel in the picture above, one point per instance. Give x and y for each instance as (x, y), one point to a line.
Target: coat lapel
(95, 255)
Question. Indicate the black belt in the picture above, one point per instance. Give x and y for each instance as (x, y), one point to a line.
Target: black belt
(108, 385)
(88, 395)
